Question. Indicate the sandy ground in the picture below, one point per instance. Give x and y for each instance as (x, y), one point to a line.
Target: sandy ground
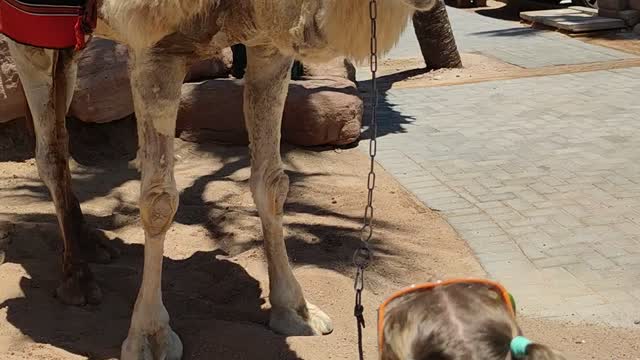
(214, 273)
(410, 72)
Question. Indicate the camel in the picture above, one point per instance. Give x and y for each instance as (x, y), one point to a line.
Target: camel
(163, 37)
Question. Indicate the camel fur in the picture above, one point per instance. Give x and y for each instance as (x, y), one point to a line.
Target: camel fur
(163, 36)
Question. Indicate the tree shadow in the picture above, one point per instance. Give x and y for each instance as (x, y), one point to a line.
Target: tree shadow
(329, 246)
(511, 32)
(215, 305)
(390, 120)
(102, 153)
(15, 143)
(218, 295)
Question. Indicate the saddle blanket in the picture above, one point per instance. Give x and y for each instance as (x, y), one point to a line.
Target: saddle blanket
(52, 24)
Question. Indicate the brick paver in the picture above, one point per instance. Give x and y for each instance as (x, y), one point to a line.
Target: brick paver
(541, 176)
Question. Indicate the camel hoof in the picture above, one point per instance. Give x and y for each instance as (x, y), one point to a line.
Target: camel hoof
(99, 248)
(308, 321)
(163, 345)
(76, 290)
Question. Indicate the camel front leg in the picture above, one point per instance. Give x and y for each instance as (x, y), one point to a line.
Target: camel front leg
(48, 78)
(156, 82)
(266, 86)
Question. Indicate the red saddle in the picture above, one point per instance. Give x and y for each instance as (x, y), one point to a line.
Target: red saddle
(52, 24)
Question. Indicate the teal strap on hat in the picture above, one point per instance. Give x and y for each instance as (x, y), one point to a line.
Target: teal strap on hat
(519, 346)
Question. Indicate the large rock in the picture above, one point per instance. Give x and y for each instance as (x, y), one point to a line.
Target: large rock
(102, 92)
(338, 67)
(215, 68)
(318, 111)
(322, 111)
(212, 110)
(13, 103)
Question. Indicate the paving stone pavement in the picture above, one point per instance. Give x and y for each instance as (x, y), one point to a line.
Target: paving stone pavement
(541, 176)
(512, 42)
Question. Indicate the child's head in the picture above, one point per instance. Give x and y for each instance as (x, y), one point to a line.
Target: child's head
(455, 321)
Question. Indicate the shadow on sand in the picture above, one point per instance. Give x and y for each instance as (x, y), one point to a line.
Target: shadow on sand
(215, 305)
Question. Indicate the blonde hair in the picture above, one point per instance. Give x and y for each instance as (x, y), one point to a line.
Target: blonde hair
(453, 322)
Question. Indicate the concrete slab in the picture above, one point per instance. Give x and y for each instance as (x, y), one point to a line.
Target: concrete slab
(584, 9)
(573, 20)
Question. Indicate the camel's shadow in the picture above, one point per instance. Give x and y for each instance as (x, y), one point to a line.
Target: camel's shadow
(214, 303)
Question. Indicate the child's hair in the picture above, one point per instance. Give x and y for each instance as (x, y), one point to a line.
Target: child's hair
(453, 322)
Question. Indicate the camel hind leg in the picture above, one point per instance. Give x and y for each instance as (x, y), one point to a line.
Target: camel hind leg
(48, 78)
(266, 85)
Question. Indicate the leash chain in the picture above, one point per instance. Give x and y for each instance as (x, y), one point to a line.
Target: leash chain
(363, 255)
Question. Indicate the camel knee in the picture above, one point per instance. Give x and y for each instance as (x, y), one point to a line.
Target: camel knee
(270, 190)
(157, 209)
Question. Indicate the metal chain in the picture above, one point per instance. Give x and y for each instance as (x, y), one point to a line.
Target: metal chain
(363, 255)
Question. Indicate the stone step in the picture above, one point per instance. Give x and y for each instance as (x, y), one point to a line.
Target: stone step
(572, 20)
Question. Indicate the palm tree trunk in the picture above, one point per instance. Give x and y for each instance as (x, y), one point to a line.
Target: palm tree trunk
(435, 36)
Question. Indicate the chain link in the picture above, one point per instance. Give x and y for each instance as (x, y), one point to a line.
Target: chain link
(364, 255)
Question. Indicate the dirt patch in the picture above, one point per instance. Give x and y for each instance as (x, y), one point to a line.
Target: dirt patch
(410, 72)
(214, 275)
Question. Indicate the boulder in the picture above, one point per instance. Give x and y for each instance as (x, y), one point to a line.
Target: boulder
(318, 111)
(212, 110)
(217, 67)
(102, 93)
(322, 111)
(338, 67)
(13, 103)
